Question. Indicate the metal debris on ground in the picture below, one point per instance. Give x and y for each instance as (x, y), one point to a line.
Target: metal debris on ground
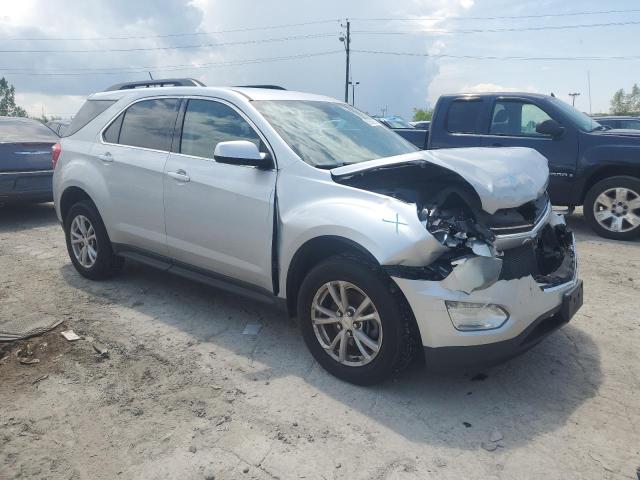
(26, 326)
(70, 335)
(40, 378)
(29, 361)
(252, 329)
(101, 350)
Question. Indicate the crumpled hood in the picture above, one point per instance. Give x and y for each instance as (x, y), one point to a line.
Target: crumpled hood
(503, 177)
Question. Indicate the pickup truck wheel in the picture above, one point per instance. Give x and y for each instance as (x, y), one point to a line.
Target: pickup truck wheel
(352, 322)
(612, 208)
(88, 244)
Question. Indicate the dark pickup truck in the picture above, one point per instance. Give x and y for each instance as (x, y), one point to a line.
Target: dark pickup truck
(589, 164)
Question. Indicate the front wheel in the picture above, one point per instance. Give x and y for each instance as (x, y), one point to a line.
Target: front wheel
(353, 322)
(612, 208)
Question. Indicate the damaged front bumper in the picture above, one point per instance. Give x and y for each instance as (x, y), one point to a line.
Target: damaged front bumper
(536, 300)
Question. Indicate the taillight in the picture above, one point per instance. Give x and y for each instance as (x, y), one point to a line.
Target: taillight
(56, 150)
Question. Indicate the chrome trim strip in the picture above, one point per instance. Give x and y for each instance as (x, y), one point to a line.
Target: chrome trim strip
(529, 233)
(27, 172)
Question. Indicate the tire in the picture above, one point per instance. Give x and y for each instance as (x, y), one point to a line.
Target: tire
(393, 332)
(104, 263)
(614, 221)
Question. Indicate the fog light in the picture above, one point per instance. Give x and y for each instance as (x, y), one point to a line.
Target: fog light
(469, 317)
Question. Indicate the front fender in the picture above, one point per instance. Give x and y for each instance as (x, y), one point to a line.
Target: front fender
(387, 228)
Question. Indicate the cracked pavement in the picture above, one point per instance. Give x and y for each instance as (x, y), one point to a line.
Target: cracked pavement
(183, 394)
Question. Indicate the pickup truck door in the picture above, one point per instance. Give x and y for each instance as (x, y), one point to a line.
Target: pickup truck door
(513, 124)
(219, 217)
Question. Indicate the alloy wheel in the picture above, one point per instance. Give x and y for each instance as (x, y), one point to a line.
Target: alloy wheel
(618, 209)
(346, 323)
(84, 242)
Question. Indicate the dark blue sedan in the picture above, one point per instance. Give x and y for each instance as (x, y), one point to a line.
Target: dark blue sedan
(25, 160)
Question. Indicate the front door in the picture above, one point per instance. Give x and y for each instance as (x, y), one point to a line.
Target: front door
(513, 123)
(219, 217)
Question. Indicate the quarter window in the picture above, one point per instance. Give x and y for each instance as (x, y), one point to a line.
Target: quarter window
(112, 133)
(516, 119)
(463, 116)
(207, 123)
(149, 124)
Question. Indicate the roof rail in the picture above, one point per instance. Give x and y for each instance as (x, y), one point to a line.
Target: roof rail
(161, 82)
(270, 87)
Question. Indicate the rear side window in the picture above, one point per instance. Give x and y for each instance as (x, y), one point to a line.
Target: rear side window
(112, 133)
(90, 110)
(463, 116)
(207, 123)
(149, 124)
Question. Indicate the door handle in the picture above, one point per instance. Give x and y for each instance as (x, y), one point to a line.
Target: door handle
(106, 157)
(180, 175)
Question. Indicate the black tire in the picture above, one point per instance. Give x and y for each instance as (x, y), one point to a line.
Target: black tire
(106, 264)
(399, 335)
(629, 183)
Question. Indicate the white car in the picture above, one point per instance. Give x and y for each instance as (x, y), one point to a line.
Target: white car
(378, 249)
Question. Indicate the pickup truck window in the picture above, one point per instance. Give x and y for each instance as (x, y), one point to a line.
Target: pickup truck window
(207, 123)
(463, 115)
(516, 118)
(329, 134)
(581, 120)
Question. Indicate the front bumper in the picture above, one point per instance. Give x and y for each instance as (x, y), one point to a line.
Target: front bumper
(536, 307)
(34, 186)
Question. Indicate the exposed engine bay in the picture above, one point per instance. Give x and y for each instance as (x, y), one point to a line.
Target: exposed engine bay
(451, 211)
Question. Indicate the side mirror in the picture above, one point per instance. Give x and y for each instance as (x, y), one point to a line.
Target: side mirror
(241, 152)
(551, 128)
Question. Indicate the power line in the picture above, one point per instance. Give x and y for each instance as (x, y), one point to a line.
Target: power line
(181, 47)
(501, 17)
(496, 30)
(169, 68)
(477, 57)
(172, 35)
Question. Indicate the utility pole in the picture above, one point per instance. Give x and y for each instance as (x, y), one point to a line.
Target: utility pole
(573, 97)
(353, 92)
(346, 40)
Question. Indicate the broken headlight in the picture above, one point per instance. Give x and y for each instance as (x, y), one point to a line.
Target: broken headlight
(470, 317)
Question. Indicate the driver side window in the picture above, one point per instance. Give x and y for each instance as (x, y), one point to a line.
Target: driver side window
(516, 118)
(207, 123)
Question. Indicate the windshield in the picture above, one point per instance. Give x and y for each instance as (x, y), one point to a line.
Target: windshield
(582, 120)
(395, 122)
(329, 135)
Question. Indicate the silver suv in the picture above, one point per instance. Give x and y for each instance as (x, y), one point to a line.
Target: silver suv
(378, 249)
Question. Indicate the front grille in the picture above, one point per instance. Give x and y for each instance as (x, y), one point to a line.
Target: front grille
(550, 258)
(519, 262)
(522, 219)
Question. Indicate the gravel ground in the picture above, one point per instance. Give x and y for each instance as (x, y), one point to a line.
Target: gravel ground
(182, 393)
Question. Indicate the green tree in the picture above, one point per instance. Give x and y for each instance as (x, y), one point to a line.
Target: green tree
(422, 114)
(8, 105)
(626, 103)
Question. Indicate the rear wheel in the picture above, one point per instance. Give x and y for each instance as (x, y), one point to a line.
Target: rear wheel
(88, 244)
(612, 208)
(352, 322)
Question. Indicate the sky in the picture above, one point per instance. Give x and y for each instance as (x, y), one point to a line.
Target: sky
(56, 52)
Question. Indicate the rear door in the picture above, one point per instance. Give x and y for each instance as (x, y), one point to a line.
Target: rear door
(513, 124)
(132, 155)
(219, 217)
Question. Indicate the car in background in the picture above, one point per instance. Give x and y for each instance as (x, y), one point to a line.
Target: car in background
(25, 160)
(619, 122)
(59, 126)
(417, 136)
(421, 125)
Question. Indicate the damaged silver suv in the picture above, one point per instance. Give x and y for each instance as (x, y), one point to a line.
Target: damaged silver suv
(379, 250)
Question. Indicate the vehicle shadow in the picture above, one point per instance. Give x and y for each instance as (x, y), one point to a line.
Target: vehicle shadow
(524, 398)
(24, 216)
